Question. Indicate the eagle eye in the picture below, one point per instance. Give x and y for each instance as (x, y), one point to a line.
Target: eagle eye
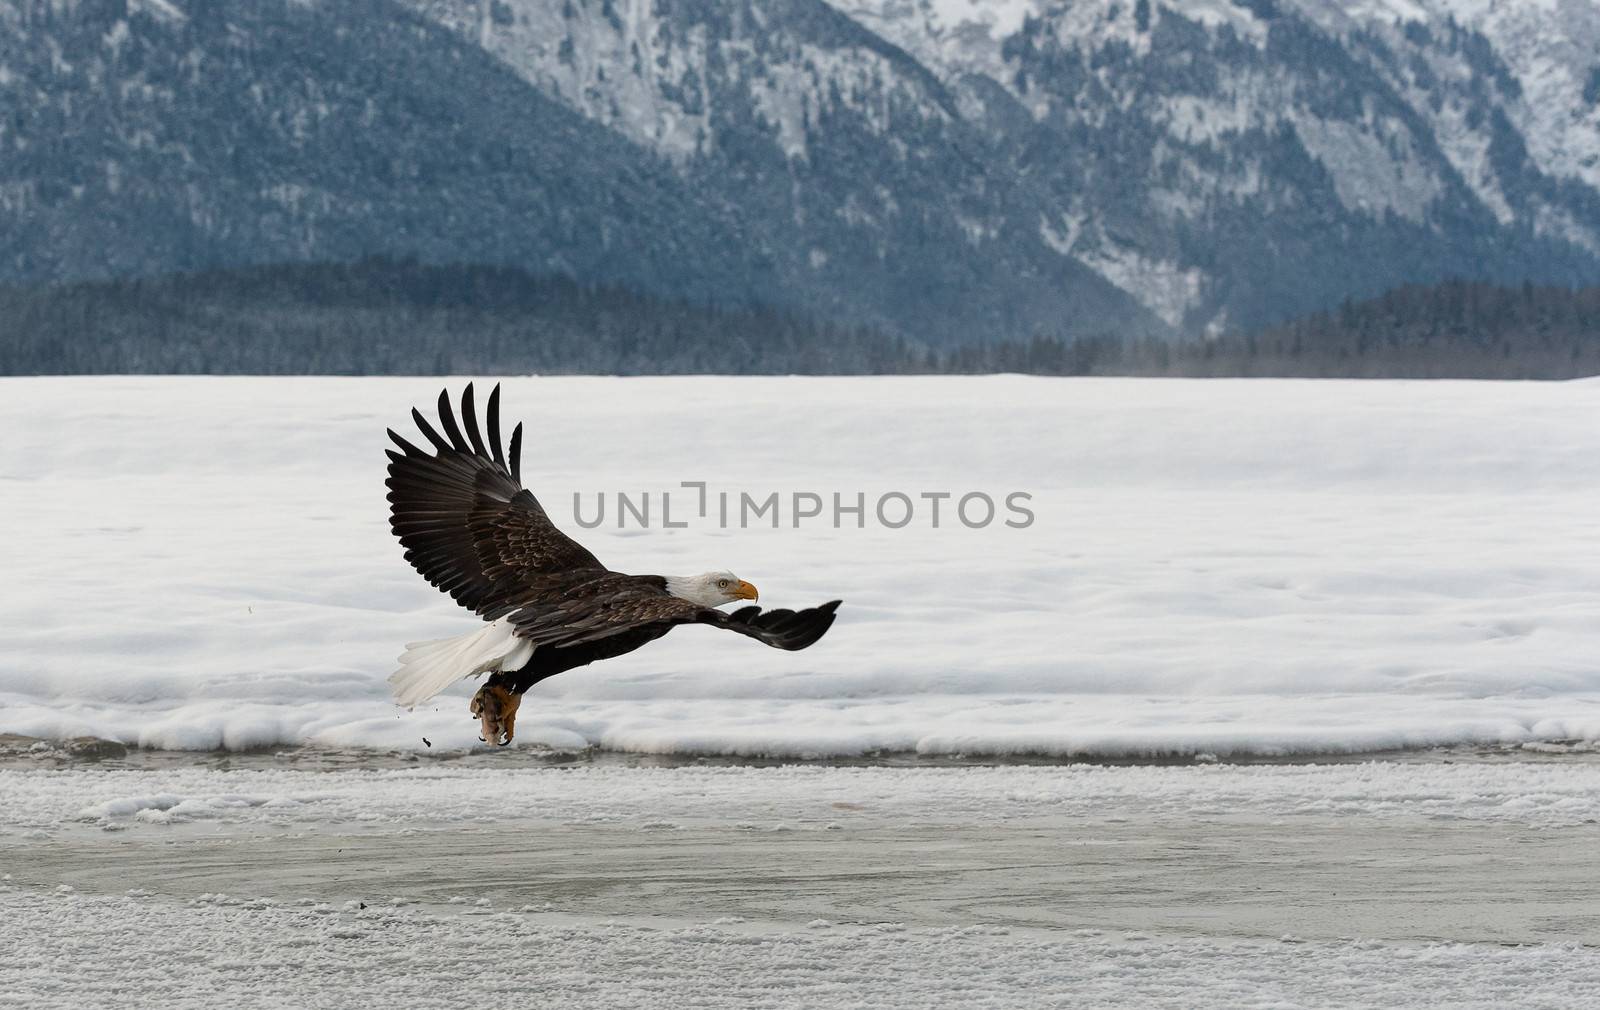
(722, 583)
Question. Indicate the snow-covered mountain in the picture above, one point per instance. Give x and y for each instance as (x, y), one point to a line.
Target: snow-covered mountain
(945, 169)
(149, 136)
(1432, 112)
(1549, 48)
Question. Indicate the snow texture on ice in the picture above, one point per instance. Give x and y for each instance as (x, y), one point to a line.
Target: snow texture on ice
(806, 797)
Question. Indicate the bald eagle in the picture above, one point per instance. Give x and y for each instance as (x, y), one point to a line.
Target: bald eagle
(470, 528)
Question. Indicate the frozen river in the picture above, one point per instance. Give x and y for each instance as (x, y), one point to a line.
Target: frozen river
(466, 883)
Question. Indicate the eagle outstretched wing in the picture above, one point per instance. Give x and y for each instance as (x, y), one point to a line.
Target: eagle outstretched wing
(612, 605)
(779, 628)
(466, 522)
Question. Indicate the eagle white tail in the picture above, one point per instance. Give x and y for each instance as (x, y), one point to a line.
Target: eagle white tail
(426, 668)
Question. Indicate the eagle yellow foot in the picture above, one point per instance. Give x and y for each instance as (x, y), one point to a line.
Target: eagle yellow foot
(496, 708)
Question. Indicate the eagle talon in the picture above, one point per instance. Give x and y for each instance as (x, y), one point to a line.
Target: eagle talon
(496, 708)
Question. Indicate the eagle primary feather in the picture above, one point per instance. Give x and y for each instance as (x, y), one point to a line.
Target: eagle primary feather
(471, 529)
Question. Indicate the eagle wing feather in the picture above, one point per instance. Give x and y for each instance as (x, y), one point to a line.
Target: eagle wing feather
(465, 521)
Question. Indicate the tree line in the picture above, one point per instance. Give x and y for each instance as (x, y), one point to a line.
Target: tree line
(1452, 330)
(385, 317)
(388, 317)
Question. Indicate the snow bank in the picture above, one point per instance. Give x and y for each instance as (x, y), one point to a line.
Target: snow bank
(1250, 566)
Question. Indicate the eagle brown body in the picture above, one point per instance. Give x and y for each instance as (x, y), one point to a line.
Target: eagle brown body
(470, 528)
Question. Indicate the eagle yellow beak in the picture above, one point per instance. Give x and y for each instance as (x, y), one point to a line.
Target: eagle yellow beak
(745, 591)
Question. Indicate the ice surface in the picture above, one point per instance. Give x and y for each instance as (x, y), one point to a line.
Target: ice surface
(1224, 566)
(68, 950)
(1385, 884)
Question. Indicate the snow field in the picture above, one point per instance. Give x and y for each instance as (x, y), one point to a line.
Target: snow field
(1226, 567)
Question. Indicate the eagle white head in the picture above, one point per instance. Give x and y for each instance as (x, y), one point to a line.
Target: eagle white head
(712, 589)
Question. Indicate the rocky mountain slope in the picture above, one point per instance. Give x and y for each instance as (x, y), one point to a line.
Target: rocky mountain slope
(143, 138)
(941, 169)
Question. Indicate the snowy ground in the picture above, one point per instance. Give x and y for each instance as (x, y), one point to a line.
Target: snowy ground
(1224, 567)
(458, 883)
